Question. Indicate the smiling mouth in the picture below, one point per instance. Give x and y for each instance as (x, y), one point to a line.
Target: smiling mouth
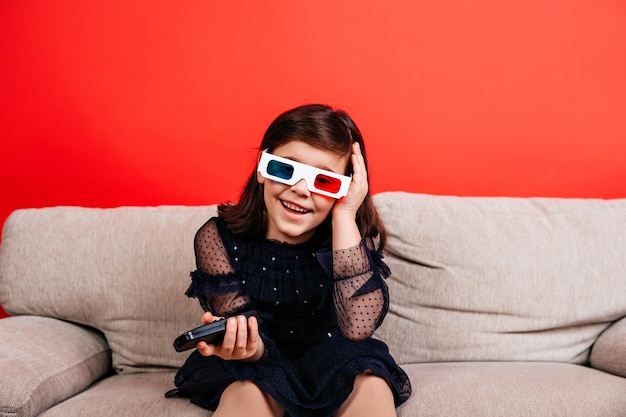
(294, 207)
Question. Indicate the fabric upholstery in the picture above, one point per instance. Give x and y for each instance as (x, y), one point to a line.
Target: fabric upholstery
(502, 279)
(504, 389)
(128, 395)
(44, 361)
(609, 351)
(123, 271)
(512, 389)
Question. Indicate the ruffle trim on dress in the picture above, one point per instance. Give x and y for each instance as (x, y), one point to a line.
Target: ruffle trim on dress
(204, 285)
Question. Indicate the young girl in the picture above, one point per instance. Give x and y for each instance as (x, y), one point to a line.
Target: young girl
(299, 249)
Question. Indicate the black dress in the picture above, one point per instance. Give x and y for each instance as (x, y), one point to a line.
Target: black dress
(318, 309)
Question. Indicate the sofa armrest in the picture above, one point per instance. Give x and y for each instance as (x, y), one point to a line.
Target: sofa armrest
(44, 361)
(609, 351)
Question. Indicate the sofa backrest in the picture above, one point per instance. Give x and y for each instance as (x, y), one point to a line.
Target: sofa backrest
(501, 279)
(123, 271)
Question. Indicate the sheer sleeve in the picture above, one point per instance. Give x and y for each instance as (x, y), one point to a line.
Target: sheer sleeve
(360, 295)
(215, 282)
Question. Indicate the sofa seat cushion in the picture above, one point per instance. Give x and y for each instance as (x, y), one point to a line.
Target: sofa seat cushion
(512, 389)
(44, 361)
(501, 279)
(129, 395)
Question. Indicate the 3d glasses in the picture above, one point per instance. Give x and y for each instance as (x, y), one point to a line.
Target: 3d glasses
(289, 172)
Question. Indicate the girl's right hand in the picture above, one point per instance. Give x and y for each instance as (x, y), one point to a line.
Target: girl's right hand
(241, 340)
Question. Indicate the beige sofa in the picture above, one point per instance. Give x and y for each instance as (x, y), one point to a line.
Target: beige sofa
(500, 307)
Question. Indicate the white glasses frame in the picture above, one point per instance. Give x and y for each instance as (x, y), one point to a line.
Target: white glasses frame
(303, 171)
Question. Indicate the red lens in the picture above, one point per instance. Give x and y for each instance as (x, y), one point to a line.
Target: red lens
(328, 184)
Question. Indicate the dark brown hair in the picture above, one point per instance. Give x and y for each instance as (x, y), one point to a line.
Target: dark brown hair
(320, 126)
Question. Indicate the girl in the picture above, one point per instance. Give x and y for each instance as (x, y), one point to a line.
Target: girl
(298, 248)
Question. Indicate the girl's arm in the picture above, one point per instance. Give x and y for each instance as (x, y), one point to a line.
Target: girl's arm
(346, 233)
(215, 274)
(216, 285)
(360, 294)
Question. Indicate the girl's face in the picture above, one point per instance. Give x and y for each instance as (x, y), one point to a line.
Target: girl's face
(294, 212)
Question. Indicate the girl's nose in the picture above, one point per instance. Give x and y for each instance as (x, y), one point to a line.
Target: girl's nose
(301, 188)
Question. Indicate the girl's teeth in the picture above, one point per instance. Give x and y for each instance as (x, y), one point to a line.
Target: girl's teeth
(294, 208)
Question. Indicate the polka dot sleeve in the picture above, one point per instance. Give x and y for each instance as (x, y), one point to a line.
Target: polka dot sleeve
(360, 294)
(217, 288)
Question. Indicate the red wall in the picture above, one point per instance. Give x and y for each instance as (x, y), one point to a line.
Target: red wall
(108, 103)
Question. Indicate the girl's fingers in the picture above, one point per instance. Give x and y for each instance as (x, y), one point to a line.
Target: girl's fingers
(253, 334)
(228, 343)
(358, 163)
(242, 335)
(356, 157)
(241, 340)
(359, 175)
(207, 318)
(205, 349)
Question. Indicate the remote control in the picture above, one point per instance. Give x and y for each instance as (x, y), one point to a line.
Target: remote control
(209, 333)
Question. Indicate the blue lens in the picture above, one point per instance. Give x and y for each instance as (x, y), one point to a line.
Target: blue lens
(280, 170)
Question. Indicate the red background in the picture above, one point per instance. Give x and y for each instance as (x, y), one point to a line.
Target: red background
(108, 103)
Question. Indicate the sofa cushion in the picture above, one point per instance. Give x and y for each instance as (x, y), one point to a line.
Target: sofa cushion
(501, 279)
(47, 361)
(609, 351)
(512, 389)
(123, 271)
(132, 395)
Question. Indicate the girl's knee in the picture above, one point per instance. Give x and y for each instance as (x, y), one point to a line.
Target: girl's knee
(243, 397)
(245, 387)
(372, 383)
(371, 395)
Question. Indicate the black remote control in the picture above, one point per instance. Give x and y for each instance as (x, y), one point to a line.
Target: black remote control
(210, 333)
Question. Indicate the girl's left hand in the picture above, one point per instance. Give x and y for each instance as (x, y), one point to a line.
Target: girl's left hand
(348, 205)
